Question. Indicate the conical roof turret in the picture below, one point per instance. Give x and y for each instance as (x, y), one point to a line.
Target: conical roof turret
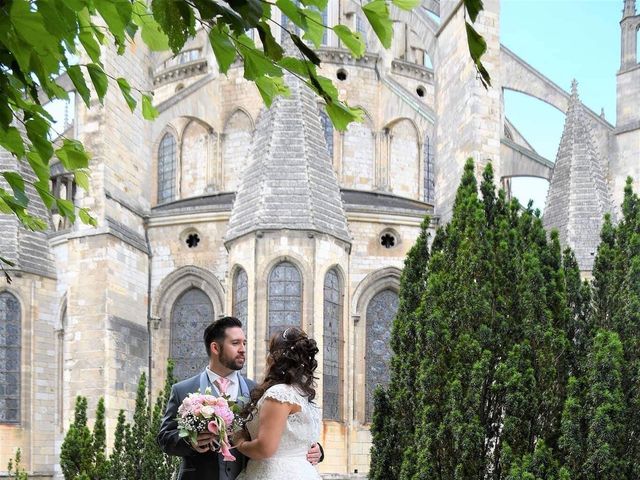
(289, 183)
(578, 196)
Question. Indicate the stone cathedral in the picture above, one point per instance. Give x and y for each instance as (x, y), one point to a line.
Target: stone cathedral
(221, 206)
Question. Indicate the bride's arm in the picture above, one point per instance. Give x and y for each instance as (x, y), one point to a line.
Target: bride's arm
(273, 419)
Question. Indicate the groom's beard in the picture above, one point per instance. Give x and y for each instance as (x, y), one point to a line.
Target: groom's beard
(232, 363)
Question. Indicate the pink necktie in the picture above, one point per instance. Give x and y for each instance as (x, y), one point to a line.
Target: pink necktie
(223, 384)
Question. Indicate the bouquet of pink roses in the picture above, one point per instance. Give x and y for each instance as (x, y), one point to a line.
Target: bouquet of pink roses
(206, 413)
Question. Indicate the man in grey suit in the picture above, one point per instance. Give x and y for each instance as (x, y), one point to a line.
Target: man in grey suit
(225, 343)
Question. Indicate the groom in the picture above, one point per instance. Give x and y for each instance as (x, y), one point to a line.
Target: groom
(225, 343)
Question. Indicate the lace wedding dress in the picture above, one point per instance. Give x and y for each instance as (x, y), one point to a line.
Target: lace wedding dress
(302, 430)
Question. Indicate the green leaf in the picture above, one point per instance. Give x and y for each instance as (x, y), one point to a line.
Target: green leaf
(45, 194)
(477, 44)
(326, 87)
(209, 9)
(251, 11)
(306, 51)
(151, 32)
(86, 218)
(377, 12)
(149, 112)
(406, 4)
(66, 25)
(474, 7)
(269, 87)
(319, 4)
(117, 15)
(29, 25)
(72, 155)
(177, 20)
(16, 182)
(90, 45)
(255, 63)
(353, 41)
(477, 48)
(38, 132)
(99, 79)
(292, 12)
(271, 47)
(40, 168)
(300, 67)
(81, 178)
(4, 206)
(222, 46)
(125, 88)
(315, 29)
(75, 74)
(66, 209)
(11, 140)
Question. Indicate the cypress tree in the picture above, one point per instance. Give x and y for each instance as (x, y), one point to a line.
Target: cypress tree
(493, 327)
(117, 459)
(14, 468)
(393, 418)
(601, 418)
(135, 435)
(101, 466)
(77, 453)
(156, 465)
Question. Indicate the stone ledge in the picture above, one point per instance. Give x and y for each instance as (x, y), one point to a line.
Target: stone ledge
(412, 70)
(180, 72)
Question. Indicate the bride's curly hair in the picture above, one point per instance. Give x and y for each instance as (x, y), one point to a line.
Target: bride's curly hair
(292, 361)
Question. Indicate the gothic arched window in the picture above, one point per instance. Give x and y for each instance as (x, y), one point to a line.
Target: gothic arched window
(380, 313)
(240, 296)
(191, 314)
(239, 307)
(285, 298)
(167, 169)
(429, 172)
(325, 21)
(327, 127)
(332, 315)
(9, 358)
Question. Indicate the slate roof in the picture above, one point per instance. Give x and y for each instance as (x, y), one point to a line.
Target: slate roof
(289, 183)
(578, 195)
(28, 250)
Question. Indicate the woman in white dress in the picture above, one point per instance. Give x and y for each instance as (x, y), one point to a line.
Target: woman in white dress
(283, 420)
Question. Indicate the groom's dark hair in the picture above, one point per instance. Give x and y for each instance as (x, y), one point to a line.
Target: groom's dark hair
(218, 330)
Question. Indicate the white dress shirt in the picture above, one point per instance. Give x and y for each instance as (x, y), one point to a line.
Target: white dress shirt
(234, 383)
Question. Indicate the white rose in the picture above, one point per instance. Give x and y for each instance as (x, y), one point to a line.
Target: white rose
(207, 411)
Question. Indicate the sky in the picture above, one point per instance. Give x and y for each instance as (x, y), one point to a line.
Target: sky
(563, 39)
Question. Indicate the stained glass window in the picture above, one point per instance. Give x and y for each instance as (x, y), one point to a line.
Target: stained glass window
(167, 169)
(240, 300)
(285, 297)
(331, 346)
(380, 313)
(327, 126)
(191, 314)
(10, 333)
(325, 21)
(429, 173)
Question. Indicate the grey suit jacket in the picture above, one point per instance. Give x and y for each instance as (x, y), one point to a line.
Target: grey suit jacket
(197, 466)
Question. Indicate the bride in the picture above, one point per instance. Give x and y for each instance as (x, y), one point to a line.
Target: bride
(283, 420)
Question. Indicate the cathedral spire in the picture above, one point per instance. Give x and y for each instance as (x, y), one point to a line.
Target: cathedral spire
(629, 8)
(289, 183)
(578, 195)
